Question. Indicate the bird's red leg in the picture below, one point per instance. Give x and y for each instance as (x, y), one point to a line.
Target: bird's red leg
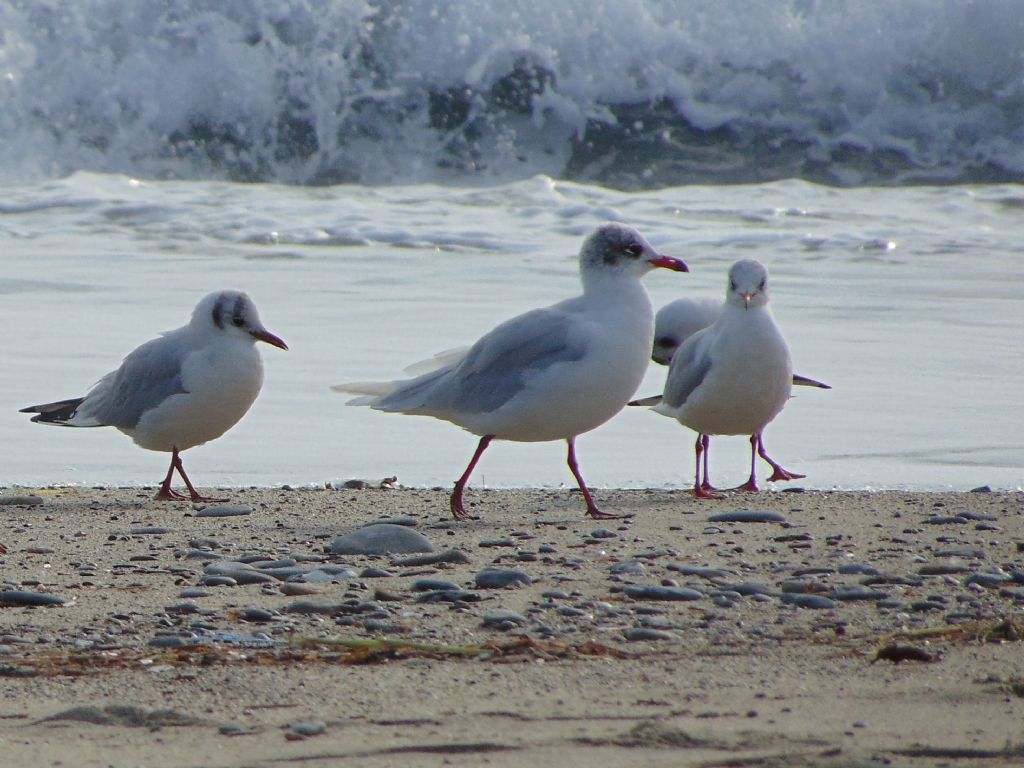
(699, 491)
(706, 482)
(779, 473)
(192, 492)
(458, 511)
(751, 484)
(165, 492)
(592, 510)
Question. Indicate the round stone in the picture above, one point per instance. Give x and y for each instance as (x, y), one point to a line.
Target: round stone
(380, 539)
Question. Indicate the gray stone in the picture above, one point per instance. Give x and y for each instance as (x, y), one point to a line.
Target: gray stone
(223, 510)
(856, 592)
(429, 585)
(21, 501)
(639, 634)
(808, 601)
(502, 619)
(628, 567)
(497, 578)
(381, 539)
(448, 556)
(657, 592)
(748, 516)
(13, 597)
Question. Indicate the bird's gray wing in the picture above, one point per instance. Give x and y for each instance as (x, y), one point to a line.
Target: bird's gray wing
(689, 369)
(147, 377)
(495, 369)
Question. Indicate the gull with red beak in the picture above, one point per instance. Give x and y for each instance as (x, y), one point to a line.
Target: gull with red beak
(181, 389)
(548, 374)
(733, 377)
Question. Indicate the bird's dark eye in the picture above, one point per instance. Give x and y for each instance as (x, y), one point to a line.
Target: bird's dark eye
(761, 286)
(238, 322)
(732, 285)
(635, 250)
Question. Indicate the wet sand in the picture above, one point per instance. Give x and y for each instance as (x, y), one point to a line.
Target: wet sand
(866, 628)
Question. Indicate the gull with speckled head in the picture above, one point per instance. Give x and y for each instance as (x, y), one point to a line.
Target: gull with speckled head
(548, 374)
(181, 389)
(734, 376)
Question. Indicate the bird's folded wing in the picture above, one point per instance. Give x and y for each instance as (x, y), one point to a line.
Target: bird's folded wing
(690, 367)
(146, 378)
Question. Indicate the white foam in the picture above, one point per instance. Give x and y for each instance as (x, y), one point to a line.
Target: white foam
(327, 91)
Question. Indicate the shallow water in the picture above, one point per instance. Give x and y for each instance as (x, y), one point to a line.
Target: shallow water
(907, 300)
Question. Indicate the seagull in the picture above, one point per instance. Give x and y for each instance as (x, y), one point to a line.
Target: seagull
(734, 376)
(181, 389)
(680, 319)
(551, 373)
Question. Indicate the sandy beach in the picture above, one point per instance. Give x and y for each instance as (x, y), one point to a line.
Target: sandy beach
(832, 628)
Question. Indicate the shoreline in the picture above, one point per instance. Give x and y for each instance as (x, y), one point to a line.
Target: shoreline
(863, 626)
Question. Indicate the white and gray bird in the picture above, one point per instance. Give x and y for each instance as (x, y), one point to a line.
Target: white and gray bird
(680, 319)
(181, 389)
(548, 374)
(734, 376)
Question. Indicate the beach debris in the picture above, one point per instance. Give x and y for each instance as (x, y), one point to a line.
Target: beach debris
(901, 653)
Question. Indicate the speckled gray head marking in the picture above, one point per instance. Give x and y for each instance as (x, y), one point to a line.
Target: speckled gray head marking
(613, 244)
(238, 312)
(219, 309)
(230, 307)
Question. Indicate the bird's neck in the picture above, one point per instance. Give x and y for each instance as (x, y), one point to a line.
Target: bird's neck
(607, 283)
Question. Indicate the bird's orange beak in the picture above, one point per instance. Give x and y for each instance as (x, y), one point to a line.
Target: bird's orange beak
(668, 262)
(265, 335)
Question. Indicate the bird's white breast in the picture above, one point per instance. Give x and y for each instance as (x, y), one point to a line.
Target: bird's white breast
(750, 380)
(222, 379)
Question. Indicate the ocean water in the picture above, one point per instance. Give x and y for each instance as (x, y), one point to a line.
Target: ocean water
(389, 181)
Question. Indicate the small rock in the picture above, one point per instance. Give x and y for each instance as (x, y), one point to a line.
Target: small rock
(808, 601)
(657, 592)
(381, 539)
(309, 727)
(496, 578)
(448, 556)
(223, 510)
(21, 501)
(747, 516)
(502, 619)
(14, 597)
(639, 634)
(428, 585)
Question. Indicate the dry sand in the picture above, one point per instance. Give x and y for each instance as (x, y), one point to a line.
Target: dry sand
(738, 681)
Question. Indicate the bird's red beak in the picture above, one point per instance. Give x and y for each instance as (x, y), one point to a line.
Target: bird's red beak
(668, 262)
(267, 336)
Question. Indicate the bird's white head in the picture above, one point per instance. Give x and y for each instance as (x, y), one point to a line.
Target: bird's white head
(748, 284)
(618, 248)
(234, 314)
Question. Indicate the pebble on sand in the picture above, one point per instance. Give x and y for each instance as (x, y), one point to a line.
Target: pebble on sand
(380, 539)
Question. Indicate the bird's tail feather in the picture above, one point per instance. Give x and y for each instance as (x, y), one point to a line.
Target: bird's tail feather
(805, 381)
(652, 400)
(61, 413)
(369, 391)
